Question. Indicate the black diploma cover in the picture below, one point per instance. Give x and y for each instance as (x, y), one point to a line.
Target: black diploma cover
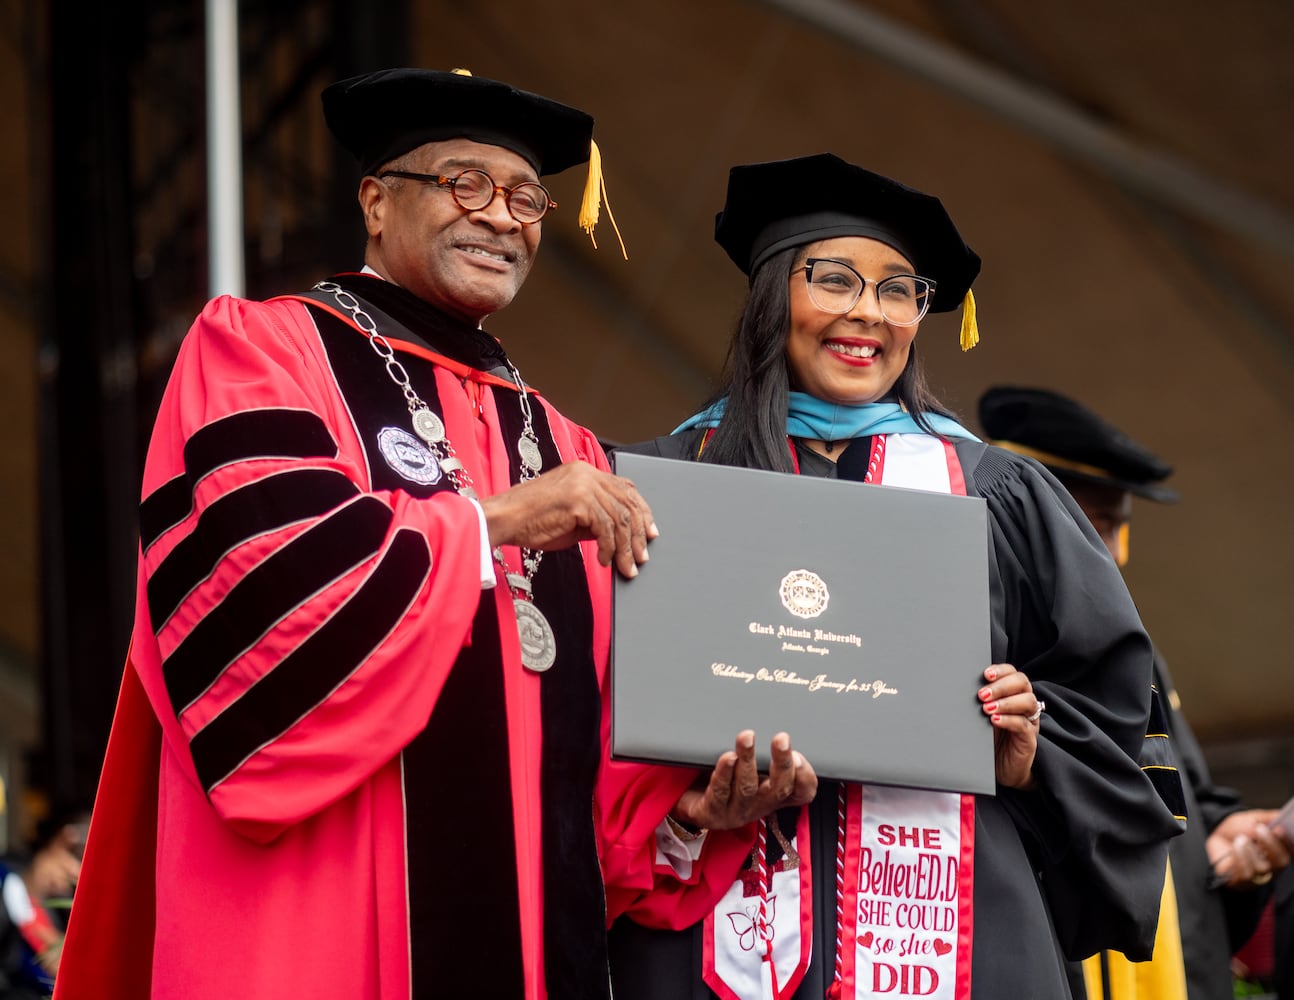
(854, 617)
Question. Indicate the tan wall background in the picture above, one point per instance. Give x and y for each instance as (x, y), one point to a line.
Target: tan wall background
(1172, 317)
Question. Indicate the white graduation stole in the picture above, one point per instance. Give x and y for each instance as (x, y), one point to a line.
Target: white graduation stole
(908, 881)
(904, 860)
(756, 939)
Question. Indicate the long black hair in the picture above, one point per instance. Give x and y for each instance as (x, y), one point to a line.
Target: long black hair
(757, 381)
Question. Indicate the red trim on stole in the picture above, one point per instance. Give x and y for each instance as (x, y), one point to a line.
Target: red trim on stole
(853, 834)
(707, 961)
(965, 883)
(876, 461)
(956, 478)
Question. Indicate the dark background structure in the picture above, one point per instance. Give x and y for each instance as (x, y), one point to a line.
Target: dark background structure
(1124, 170)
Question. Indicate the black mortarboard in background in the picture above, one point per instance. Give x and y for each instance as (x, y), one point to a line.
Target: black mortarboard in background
(382, 115)
(786, 203)
(1072, 441)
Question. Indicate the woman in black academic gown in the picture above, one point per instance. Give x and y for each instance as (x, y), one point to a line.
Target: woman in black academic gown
(1068, 858)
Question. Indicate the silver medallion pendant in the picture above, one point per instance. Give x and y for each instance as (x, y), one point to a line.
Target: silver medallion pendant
(538, 644)
(528, 449)
(428, 426)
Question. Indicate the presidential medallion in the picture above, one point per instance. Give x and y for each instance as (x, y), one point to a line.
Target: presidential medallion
(428, 426)
(538, 644)
(528, 449)
(428, 463)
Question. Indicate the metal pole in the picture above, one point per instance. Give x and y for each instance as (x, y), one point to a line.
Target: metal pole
(224, 151)
(1155, 175)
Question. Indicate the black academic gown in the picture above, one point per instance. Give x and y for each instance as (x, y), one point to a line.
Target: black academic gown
(1065, 870)
(1214, 922)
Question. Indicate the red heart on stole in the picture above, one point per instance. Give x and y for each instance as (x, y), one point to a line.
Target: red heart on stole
(865, 939)
(942, 947)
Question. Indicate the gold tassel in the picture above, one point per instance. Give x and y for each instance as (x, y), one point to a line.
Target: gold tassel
(595, 191)
(970, 330)
(595, 195)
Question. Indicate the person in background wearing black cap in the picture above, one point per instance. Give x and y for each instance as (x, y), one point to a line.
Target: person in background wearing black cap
(357, 745)
(1227, 850)
(823, 380)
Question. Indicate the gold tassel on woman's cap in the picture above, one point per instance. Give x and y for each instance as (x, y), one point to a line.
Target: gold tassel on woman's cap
(970, 330)
(595, 194)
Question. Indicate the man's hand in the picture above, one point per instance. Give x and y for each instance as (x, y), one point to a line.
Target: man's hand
(736, 794)
(574, 503)
(1246, 850)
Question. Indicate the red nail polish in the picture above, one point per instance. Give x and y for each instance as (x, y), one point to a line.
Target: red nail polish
(985, 694)
(991, 674)
(991, 707)
(997, 718)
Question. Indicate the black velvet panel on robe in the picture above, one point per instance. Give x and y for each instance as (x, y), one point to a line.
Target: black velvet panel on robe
(463, 888)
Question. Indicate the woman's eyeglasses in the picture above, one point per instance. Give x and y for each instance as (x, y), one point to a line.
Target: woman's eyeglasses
(835, 287)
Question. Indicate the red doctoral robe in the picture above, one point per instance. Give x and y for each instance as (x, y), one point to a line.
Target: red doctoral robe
(329, 773)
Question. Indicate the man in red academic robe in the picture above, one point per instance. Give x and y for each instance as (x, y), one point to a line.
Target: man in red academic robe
(360, 733)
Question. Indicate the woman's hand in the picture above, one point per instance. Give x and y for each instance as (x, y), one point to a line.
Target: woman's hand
(1016, 715)
(736, 794)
